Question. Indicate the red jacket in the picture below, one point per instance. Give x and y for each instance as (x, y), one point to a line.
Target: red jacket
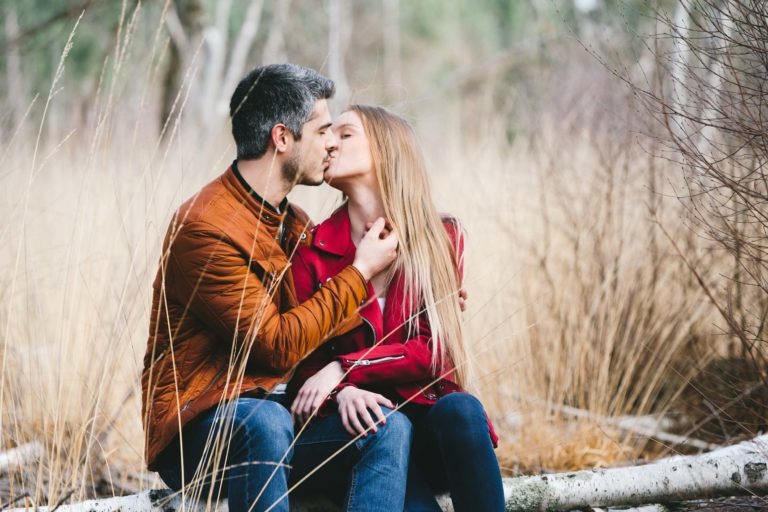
(378, 353)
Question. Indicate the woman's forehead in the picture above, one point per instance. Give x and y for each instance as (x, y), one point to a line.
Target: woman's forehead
(348, 118)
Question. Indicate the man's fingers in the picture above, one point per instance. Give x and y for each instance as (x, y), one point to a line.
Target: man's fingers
(376, 228)
(463, 299)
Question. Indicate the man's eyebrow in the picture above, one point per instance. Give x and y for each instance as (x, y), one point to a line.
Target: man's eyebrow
(325, 126)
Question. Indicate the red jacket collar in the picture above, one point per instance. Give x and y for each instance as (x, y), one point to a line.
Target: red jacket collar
(333, 235)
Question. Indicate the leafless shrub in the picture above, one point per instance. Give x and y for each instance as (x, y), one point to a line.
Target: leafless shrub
(715, 108)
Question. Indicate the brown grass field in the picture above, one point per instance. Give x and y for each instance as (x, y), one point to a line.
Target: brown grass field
(581, 311)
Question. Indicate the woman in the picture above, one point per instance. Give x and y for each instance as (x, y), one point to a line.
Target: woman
(408, 346)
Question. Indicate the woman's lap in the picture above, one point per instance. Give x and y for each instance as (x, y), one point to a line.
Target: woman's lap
(452, 451)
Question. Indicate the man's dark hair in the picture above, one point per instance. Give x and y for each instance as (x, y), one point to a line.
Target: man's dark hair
(268, 95)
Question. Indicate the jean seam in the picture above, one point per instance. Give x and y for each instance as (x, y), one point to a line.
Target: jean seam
(246, 470)
(352, 487)
(324, 441)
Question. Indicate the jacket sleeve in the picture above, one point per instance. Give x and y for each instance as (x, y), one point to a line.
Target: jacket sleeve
(304, 279)
(392, 363)
(209, 276)
(410, 360)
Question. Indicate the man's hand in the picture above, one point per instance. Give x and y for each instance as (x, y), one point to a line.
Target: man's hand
(356, 406)
(377, 250)
(315, 390)
(463, 299)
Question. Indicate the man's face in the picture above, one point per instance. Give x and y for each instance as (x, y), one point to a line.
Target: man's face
(311, 155)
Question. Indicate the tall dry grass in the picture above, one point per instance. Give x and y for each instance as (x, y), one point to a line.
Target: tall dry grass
(576, 299)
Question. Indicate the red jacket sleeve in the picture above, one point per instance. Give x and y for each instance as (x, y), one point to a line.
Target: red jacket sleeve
(393, 362)
(410, 360)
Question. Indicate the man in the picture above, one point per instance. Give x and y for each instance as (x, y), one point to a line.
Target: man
(226, 329)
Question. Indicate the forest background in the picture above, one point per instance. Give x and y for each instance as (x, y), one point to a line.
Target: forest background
(605, 156)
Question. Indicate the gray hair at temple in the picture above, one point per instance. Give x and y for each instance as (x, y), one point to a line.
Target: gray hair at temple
(270, 95)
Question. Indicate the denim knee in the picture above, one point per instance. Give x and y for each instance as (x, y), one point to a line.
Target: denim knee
(264, 421)
(394, 436)
(398, 425)
(460, 411)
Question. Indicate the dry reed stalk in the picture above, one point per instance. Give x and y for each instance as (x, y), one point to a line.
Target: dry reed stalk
(572, 300)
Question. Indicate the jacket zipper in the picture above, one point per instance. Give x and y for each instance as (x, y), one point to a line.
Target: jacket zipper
(368, 362)
(373, 330)
(207, 389)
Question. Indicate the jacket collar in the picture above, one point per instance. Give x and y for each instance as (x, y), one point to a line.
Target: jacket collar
(260, 208)
(280, 208)
(333, 235)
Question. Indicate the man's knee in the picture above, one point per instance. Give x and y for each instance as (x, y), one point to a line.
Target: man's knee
(262, 422)
(394, 436)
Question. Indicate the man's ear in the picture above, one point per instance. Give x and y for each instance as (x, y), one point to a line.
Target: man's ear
(282, 138)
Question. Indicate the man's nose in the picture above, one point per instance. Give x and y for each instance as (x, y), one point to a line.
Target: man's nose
(331, 143)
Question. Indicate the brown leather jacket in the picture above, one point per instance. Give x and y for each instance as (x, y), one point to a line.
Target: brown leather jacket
(225, 320)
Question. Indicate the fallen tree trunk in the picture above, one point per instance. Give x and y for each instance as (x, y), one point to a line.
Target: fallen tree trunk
(164, 500)
(735, 470)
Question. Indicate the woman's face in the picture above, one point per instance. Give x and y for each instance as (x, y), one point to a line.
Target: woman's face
(352, 162)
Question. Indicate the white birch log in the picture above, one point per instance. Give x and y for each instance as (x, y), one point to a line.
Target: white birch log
(163, 500)
(24, 454)
(735, 470)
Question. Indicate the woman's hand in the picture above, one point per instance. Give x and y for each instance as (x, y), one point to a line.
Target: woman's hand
(315, 390)
(356, 406)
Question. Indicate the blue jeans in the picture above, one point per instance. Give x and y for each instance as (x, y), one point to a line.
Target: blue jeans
(452, 451)
(242, 450)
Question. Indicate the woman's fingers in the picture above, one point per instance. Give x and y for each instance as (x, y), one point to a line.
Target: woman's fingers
(312, 404)
(354, 419)
(374, 407)
(315, 404)
(358, 408)
(365, 414)
(345, 420)
(304, 405)
(296, 406)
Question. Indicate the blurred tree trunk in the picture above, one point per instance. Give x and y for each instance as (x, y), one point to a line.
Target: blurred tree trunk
(185, 25)
(339, 29)
(16, 98)
(239, 56)
(194, 42)
(216, 40)
(274, 49)
(392, 65)
(680, 25)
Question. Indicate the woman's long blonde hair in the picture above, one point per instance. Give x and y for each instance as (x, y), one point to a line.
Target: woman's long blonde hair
(427, 261)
